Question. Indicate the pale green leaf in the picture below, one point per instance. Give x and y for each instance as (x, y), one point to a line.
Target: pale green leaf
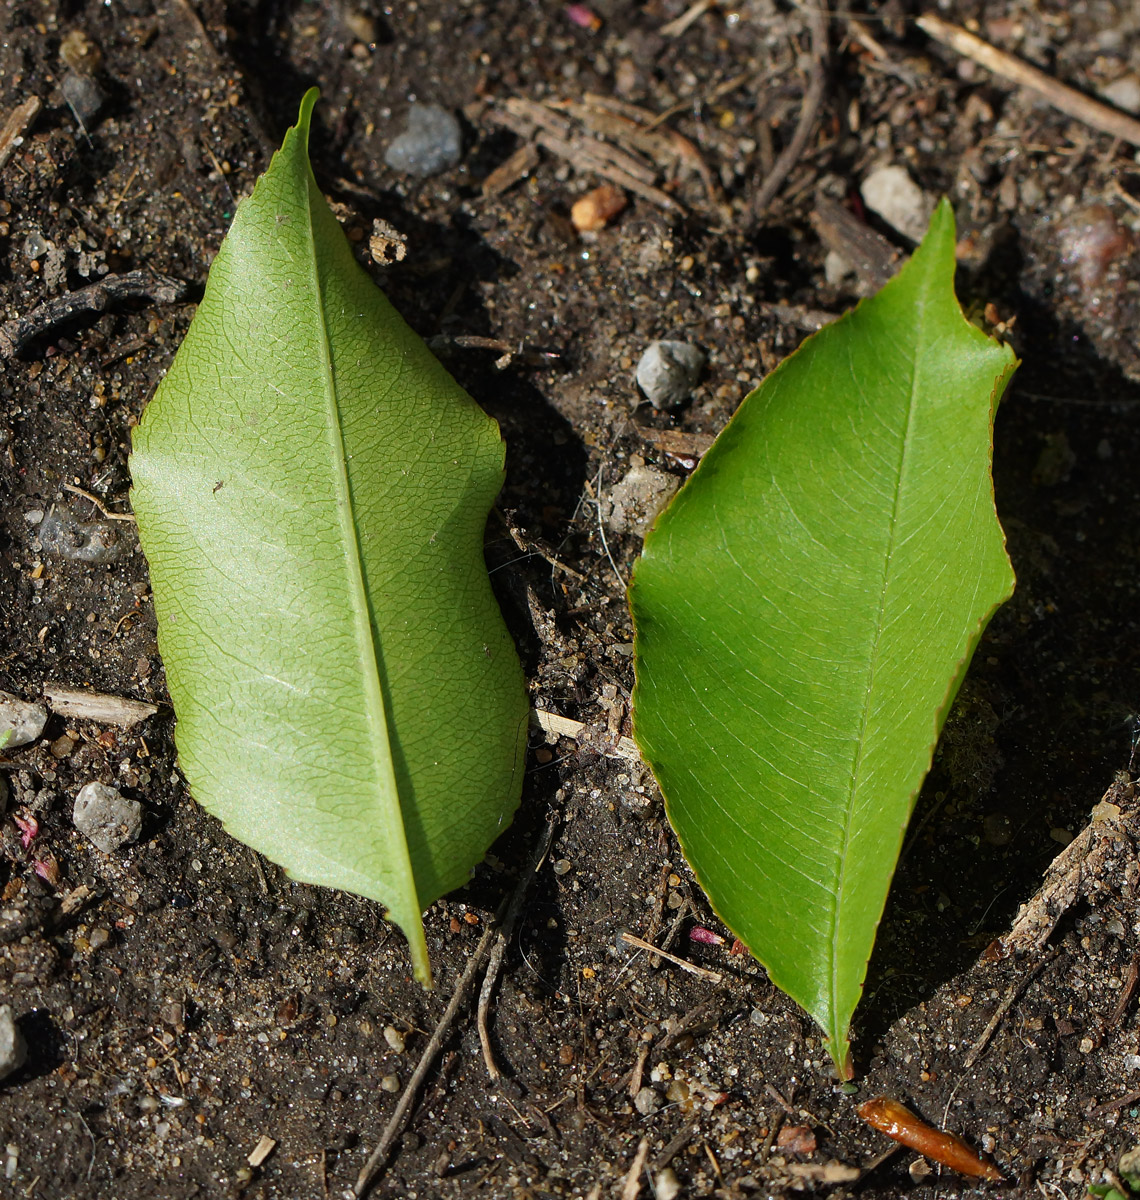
(805, 610)
(311, 490)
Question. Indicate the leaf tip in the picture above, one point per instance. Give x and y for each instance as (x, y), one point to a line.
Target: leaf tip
(304, 116)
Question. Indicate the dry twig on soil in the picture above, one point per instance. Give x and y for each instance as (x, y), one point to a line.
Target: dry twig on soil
(16, 334)
(683, 963)
(567, 727)
(817, 14)
(1062, 97)
(97, 706)
(1015, 989)
(502, 939)
(392, 1130)
(17, 125)
(632, 1184)
(1074, 872)
(379, 1156)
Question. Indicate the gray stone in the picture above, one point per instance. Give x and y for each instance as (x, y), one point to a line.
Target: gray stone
(647, 1101)
(20, 721)
(106, 817)
(84, 96)
(431, 143)
(13, 1048)
(81, 541)
(668, 372)
(890, 193)
(1124, 93)
(634, 503)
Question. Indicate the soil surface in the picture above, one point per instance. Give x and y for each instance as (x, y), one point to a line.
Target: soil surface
(181, 998)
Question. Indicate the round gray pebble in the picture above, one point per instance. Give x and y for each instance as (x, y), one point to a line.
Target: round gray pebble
(668, 372)
(105, 817)
(647, 1101)
(84, 95)
(431, 143)
(13, 1048)
(20, 721)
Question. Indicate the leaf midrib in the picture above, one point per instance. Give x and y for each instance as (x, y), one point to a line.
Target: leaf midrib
(395, 836)
(857, 764)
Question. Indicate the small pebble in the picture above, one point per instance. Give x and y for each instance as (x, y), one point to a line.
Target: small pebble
(395, 1038)
(80, 541)
(597, 208)
(668, 371)
(84, 96)
(890, 193)
(1091, 240)
(796, 1139)
(20, 721)
(390, 1083)
(105, 817)
(667, 1185)
(35, 245)
(431, 143)
(13, 1048)
(635, 501)
(647, 1101)
(562, 866)
(1124, 93)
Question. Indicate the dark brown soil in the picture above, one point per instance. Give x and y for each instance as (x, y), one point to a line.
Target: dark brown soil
(196, 1000)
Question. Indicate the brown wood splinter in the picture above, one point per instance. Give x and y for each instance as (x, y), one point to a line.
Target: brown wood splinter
(898, 1122)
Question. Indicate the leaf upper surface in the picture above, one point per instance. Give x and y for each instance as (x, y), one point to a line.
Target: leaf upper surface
(804, 613)
(311, 488)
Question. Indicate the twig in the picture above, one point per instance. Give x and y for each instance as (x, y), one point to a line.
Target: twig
(379, 1156)
(683, 963)
(97, 706)
(1062, 97)
(1015, 989)
(535, 547)
(95, 298)
(567, 727)
(1112, 1105)
(110, 516)
(632, 1183)
(694, 12)
(596, 499)
(502, 938)
(817, 15)
(16, 126)
(676, 1144)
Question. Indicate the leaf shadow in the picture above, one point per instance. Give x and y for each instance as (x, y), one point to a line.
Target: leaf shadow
(1043, 720)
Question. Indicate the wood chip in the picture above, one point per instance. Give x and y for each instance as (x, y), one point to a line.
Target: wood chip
(556, 133)
(96, 706)
(632, 1184)
(1062, 97)
(567, 727)
(1076, 871)
(507, 174)
(261, 1151)
(17, 125)
(683, 963)
(871, 256)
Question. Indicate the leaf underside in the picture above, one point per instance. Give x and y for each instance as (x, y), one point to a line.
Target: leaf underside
(311, 490)
(804, 612)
